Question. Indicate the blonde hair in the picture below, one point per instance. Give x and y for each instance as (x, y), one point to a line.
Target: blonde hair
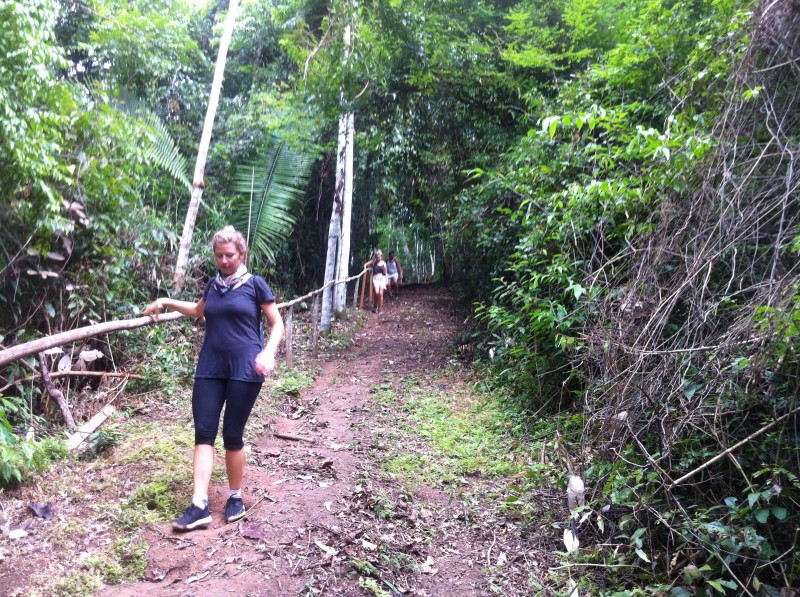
(229, 235)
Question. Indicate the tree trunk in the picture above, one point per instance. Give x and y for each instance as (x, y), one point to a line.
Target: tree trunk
(334, 269)
(343, 262)
(198, 183)
(334, 232)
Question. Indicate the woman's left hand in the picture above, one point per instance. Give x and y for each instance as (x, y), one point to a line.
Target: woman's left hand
(265, 362)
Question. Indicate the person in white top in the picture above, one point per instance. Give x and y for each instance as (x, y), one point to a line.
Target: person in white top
(379, 279)
(394, 271)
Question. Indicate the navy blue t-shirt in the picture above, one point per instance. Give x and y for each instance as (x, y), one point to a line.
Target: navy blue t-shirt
(233, 331)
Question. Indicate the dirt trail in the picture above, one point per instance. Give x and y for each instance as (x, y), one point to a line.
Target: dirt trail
(322, 519)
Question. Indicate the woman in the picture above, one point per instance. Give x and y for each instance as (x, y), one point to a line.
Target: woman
(379, 279)
(230, 369)
(394, 272)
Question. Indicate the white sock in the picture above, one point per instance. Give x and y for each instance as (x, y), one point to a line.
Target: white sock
(235, 493)
(201, 501)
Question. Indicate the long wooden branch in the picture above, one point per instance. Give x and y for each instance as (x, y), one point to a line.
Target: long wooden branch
(9, 355)
(74, 374)
(735, 446)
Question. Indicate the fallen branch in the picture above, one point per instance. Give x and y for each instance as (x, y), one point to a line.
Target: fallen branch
(296, 438)
(54, 374)
(9, 355)
(735, 446)
(54, 392)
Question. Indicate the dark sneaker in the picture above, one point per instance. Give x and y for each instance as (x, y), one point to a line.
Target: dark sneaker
(193, 518)
(234, 509)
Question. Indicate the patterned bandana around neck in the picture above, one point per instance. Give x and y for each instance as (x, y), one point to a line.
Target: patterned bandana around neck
(224, 287)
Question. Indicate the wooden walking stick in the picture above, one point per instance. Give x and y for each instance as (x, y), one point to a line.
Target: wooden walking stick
(363, 288)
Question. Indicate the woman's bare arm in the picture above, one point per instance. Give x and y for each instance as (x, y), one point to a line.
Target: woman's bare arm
(184, 307)
(265, 360)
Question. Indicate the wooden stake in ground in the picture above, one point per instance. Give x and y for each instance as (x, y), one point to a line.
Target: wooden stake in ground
(76, 439)
(289, 325)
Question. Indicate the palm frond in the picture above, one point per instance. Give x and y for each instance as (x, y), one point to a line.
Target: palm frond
(276, 180)
(161, 149)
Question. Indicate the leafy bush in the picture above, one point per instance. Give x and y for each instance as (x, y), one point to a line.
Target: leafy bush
(20, 457)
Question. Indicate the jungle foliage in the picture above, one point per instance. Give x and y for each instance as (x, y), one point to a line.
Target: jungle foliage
(611, 187)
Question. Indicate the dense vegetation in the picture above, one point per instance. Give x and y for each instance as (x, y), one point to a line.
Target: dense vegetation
(612, 188)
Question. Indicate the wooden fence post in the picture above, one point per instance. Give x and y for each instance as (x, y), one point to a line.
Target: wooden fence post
(314, 325)
(289, 334)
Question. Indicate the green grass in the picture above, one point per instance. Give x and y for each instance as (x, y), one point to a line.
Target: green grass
(294, 380)
(447, 435)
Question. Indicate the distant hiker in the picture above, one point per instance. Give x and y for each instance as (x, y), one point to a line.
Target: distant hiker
(395, 274)
(230, 369)
(379, 279)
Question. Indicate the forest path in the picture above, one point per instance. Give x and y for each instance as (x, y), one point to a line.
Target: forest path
(324, 515)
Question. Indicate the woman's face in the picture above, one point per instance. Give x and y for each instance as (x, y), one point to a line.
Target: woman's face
(379, 255)
(228, 258)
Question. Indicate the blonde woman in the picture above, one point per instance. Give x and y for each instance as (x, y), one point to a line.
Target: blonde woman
(230, 369)
(379, 278)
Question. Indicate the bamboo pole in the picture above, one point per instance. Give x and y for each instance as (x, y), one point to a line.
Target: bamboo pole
(315, 326)
(289, 336)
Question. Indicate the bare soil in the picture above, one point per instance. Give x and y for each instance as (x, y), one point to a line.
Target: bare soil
(323, 517)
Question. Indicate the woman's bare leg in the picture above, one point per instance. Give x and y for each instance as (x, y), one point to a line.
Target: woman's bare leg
(234, 466)
(202, 465)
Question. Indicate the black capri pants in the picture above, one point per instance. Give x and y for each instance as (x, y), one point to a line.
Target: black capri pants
(208, 397)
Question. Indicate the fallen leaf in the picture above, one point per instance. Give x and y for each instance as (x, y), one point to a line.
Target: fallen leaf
(427, 567)
(196, 577)
(90, 355)
(18, 534)
(253, 531)
(42, 511)
(570, 540)
(65, 363)
(327, 550)
(368, 545)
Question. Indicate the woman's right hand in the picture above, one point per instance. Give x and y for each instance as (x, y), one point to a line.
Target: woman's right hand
(153, 309)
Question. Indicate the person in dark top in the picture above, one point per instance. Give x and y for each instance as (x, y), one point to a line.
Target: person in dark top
(379, 278)
(394, 272)
(231, 367)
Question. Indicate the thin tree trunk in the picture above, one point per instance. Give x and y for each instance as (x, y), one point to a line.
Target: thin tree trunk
(343, 264)
(198, 183)
(333, 264)
(334, 232)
